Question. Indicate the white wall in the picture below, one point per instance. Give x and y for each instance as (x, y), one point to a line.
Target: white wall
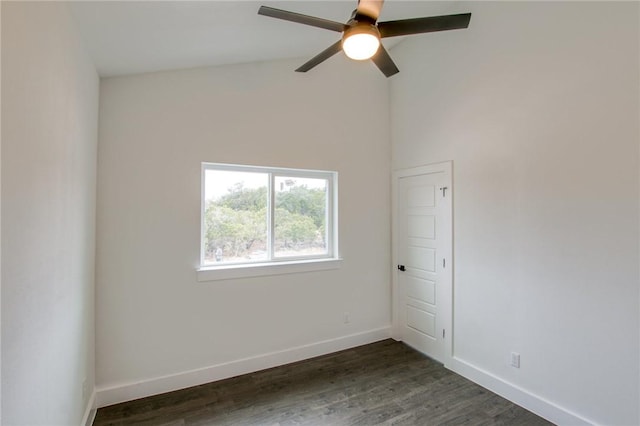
(49, 139)
(153, 317)
(537, 106)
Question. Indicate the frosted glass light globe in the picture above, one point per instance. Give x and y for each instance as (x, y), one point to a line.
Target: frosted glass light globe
(360, 46)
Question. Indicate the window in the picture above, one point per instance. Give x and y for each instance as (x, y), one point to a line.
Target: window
(262, 215)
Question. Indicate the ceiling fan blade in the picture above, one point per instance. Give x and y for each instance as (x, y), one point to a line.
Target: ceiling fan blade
(370, 8)
(321, 57)
(384, 62)
(301, 19)
(423, 25)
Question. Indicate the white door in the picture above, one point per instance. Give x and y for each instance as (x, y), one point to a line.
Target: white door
(423, 227)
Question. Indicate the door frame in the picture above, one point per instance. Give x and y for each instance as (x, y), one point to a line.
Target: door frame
(445, 167)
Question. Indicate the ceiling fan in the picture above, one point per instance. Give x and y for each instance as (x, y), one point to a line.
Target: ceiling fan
(362, 33)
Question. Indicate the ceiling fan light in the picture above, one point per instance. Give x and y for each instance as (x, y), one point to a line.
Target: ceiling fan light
(361, 42)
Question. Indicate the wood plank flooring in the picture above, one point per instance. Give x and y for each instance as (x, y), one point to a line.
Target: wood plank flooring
(381, 383)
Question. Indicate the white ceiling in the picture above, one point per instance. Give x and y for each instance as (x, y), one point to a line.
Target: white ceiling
(130, 37)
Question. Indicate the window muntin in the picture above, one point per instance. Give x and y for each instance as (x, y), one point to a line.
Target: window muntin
(263, 215)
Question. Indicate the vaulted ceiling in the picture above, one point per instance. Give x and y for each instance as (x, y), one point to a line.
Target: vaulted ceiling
(129, 37)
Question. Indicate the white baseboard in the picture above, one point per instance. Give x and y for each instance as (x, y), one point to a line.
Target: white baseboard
(129, 391)
(90, 411)
(534, 403)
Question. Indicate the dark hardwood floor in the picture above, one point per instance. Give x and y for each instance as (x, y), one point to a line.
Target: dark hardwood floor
(381, 383)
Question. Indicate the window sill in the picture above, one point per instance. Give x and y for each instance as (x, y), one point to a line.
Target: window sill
(214, 273)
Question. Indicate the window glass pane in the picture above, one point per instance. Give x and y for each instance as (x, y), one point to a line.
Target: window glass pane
(235, 217)
(300, 217)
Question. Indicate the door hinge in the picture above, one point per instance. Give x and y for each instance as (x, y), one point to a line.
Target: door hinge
(443, 333)
(444, 263)
(401, 267)
(444, 191)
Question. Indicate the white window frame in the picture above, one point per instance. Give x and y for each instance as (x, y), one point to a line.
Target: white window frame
(274, 265)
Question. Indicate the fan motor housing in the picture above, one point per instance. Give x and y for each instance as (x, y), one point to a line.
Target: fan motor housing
(360, 17)
(358, 27)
